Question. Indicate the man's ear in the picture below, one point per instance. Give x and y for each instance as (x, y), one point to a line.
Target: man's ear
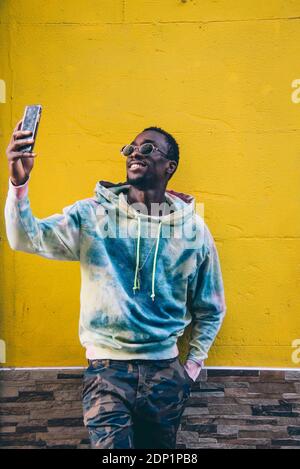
(172, 166)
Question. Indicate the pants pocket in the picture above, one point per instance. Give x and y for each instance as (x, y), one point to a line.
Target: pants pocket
(184, 374)
(188, 378)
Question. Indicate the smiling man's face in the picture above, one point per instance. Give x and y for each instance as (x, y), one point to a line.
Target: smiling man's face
(148, 170)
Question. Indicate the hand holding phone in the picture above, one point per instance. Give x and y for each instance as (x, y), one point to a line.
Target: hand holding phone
(19, 150)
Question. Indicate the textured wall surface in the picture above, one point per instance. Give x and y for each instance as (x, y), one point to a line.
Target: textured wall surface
(226, 409)
(216, 74)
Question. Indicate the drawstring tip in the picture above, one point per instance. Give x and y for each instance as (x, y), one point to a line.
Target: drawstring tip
(153, 296)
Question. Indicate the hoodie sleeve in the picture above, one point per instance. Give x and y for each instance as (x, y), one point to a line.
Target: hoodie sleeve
(206, 301)
(54, 237)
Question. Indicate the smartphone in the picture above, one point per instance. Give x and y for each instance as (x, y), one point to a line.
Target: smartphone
(30, 121)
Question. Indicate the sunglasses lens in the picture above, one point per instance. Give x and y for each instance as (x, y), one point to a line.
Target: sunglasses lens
(127, 150)
(146, 148)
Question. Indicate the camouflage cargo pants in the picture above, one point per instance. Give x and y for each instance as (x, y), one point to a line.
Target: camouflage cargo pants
(134, 403)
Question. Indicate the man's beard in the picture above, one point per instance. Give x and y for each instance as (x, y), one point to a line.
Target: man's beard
(140, 181)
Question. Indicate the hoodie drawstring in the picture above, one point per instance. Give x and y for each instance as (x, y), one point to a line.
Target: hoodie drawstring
(154, 261)
(136, 284)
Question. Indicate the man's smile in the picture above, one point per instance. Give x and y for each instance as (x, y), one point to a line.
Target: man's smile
(134, 165)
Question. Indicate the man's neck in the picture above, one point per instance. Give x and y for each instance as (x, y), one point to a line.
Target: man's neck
(146, 197)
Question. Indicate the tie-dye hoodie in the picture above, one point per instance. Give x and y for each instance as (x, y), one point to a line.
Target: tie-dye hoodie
(143, 279)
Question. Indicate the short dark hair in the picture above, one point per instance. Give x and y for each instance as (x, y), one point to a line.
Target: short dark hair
(173, 152)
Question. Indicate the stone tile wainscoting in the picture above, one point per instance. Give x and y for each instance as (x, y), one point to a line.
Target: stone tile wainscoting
(227, 409)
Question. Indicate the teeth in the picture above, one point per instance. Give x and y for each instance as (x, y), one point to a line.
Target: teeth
(136, 165)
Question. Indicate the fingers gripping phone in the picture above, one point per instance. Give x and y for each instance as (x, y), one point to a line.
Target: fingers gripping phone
(30, 121)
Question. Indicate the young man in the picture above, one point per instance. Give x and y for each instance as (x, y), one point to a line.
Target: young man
(149, 267)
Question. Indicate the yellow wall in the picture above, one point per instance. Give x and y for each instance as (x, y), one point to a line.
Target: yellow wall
(216, 74)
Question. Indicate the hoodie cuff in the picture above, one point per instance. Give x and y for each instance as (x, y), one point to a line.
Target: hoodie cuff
(18, 192)
(196, 360)
(193, 369)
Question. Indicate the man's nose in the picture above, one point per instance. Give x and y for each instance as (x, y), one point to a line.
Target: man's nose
(136, 152)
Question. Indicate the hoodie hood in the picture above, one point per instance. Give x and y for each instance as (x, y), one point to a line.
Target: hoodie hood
(182, 205)
(182, 209)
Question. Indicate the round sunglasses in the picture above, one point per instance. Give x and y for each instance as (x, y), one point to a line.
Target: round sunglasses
(144, 149)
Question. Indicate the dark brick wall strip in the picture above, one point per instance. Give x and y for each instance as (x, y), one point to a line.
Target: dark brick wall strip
(69, 376)
(212, 373)
(66, 422)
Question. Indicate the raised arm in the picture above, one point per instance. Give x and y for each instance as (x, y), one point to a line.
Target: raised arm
(54, 237)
